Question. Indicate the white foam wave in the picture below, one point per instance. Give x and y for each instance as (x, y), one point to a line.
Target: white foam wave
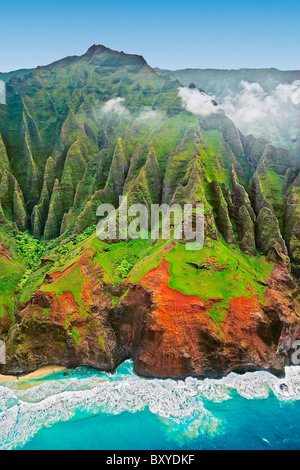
(254, 385)
(180, 404)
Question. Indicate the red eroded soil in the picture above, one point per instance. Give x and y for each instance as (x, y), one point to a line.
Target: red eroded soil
(176, 321)
(166, 333)
(181, 339)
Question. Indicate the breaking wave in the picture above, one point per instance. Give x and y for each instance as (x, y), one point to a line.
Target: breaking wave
(27, 407)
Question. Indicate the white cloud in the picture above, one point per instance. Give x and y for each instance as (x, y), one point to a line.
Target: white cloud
(147, 115)
(273, 115)
(197, 102)
(115, 105)
(296, 92)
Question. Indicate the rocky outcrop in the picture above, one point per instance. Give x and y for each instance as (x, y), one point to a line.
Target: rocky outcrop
(268, 238)
(167, 333)
(12, 200)
(222, 216)
(246, 232)
(178, 341)
(70, 331)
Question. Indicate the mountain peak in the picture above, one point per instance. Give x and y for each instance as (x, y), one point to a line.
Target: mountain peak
(96, 49)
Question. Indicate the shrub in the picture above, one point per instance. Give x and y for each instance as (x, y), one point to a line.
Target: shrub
(123, 269)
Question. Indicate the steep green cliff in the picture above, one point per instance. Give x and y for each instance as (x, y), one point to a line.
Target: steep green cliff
(86, 130)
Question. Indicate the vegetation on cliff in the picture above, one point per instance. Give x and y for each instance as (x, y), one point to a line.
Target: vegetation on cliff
(86, 130)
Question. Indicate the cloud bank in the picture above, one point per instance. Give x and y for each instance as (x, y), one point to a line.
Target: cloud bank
(274, 115)
(115, 105)
(149, 114)
(197, 102)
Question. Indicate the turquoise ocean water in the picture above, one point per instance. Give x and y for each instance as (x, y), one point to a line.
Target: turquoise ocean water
(93, 410)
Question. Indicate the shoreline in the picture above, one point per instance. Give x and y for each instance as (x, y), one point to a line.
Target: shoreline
(52, 369)
(37, 374)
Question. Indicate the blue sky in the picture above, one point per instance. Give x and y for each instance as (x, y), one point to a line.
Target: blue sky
(169, 34)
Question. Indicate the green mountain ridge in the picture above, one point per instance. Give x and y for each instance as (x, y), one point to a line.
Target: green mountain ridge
(270, 96)
(6, 76)
(84, 131)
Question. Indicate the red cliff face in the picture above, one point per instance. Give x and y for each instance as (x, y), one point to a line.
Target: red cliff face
(56, 329)
(181, 339)
(167, 333)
